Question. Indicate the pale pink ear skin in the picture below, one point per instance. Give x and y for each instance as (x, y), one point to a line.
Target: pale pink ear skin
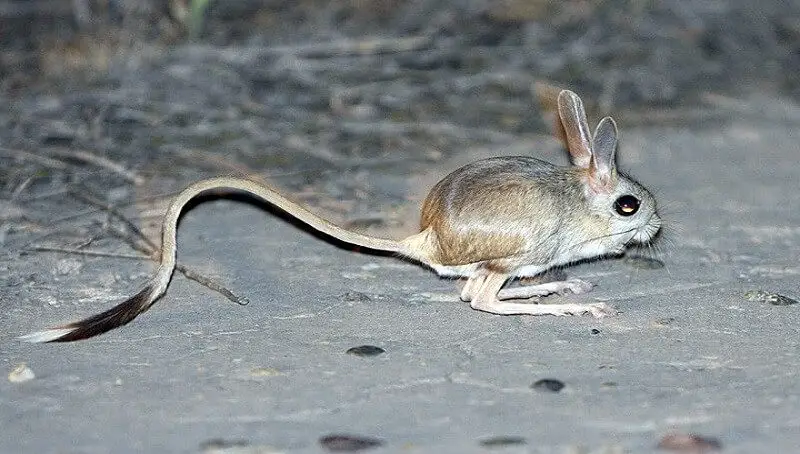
(596, 153)
(575, 128)
(603, 168)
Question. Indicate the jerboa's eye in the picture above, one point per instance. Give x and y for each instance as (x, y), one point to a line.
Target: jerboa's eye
(627, 205)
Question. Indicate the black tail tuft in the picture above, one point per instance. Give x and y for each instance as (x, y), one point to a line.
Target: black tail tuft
(115, 317)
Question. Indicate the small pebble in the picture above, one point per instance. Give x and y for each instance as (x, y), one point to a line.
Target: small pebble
(365, 350)
(689, 443)
(21, 374)
(595, 331)
(501, 441)
(68, 267)
(348, 443)
(548, 384)
(768, 297)
(264, 372)
(643, 263)
(219, 446)
(355, 297)
(663, 321)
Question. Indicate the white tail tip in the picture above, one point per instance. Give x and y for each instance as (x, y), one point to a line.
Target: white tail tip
(47, 335)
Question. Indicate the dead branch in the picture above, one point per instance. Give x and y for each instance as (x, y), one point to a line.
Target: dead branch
(79, 251)
(102, 162)
(341, 48)
(437, 129)
(151, 250)
(47, 162)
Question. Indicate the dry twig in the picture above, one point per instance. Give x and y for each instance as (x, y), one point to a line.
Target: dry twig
(101, 161)
(79, 251)
(147, 247)
(20, 154)
(341, 48)
(435, 129)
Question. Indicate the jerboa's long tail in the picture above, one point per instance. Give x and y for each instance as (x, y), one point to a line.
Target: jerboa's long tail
(130, 308)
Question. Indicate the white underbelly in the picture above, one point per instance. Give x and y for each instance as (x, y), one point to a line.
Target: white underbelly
(455, 271)
(469, 269)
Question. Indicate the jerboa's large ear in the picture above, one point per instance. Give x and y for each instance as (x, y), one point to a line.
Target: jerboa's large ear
(603, 168)
(576, 128)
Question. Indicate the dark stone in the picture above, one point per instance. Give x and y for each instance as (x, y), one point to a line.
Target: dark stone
(548, 384)
(365, 350)
(217, 444)
(355, 297)
(768, 297)
(689, 443)
(348, 443)
(501, 441)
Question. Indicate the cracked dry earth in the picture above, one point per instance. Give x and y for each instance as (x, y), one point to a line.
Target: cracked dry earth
(339, 351)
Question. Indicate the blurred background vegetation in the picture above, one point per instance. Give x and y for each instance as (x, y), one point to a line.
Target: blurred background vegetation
(629, 51)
